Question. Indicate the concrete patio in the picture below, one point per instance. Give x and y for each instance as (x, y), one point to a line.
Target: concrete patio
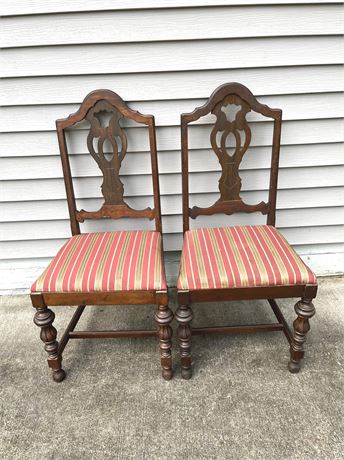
(242, 403)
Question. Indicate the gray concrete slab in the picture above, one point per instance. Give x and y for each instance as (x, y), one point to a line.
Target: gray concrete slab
(242, 403)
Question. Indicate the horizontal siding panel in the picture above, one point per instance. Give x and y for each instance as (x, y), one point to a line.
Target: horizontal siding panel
(171, 24)
(37, 230)
(155, 57)
(170, 184)
(167, 113)
(168, 138)
(26, 7)
(170, 204)
(309, 249)
(45, 167)
(171, 85)
(172, 242)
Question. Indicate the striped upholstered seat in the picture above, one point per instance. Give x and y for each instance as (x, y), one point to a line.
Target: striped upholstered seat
(237, 257)
(108, 261)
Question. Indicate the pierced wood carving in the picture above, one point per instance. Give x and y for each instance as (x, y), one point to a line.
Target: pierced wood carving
(105, 128)
(104, 120)
(228, 124)
(230, 121)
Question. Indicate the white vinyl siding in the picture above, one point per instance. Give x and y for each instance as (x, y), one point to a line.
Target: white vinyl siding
(165, 58)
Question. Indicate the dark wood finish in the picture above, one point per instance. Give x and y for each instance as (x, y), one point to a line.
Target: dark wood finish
(112, 187)
(111, 334)
(114, 212)
(247, 293)
(184, 317)
(304, 309)
(104, 110)
(93, 109)
(103, 298)
(164, 317)
(281, 319)
(44, 318)
(224, 97)
(71, 326)
(231, 94)
(228, 207)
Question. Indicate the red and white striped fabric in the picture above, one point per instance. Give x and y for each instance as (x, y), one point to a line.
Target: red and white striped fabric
(236, 257)
(109, 261)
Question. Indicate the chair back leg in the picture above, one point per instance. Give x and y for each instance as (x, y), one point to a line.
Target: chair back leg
(304, 309)
(164, 317)
(44, 318)
(184, 317)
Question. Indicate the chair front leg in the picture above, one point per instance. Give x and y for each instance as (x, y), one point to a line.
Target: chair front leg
(44, 318)
(304, 309)
(184, 317)
(164, 317)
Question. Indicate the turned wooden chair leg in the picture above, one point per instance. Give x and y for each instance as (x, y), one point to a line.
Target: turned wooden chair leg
(184, 317)
(164, 317)
(44, 318)
(304, 309)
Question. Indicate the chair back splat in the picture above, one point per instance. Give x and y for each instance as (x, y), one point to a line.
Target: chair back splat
(230, 201)
(96, 104)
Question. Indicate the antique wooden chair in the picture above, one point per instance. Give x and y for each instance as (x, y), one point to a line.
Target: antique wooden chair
(114, 267)
(239, 262)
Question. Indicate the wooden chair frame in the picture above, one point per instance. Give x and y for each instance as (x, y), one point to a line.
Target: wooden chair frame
(113, 207)
(304, 308)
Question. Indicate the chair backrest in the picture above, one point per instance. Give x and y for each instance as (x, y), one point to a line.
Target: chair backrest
(230, 182)
(114, 206)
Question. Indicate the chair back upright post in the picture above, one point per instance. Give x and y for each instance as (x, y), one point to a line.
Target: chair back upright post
(155, 175)
(68, 181)
(276, 144)
(230, 182)
(114, 205)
